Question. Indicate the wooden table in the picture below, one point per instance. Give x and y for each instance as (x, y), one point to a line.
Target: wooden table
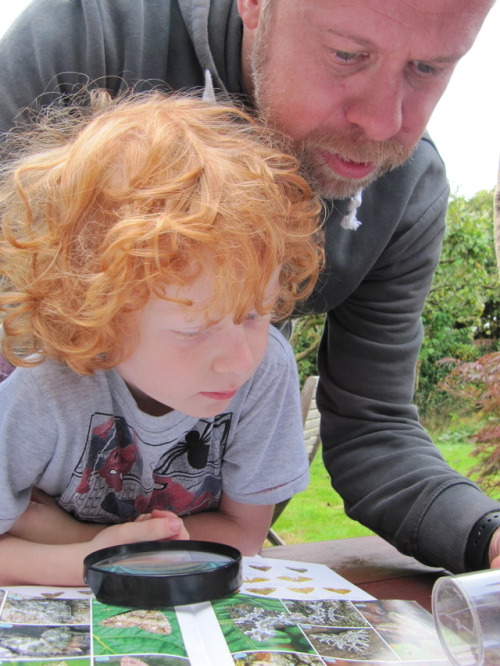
(370, 563)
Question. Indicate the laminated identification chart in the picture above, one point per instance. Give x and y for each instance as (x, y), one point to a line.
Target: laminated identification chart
(284, 613)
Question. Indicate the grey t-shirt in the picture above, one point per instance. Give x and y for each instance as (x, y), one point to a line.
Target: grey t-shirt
(83, 440)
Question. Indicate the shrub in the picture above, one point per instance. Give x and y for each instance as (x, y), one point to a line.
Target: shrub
(464, 302)
(477, 383)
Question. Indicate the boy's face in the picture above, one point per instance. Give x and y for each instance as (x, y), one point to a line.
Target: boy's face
(183, 362)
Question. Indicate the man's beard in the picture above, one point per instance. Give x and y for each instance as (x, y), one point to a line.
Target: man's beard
(350, 146)
(384, 155)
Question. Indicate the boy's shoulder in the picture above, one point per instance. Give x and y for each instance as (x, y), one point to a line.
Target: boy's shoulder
(45, 370)
(50, 378)
(279, 347)
(278, 365)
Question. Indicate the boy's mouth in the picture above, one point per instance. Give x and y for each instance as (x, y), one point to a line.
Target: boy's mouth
(219, 395)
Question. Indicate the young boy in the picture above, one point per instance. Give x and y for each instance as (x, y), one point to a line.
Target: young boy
(146, 246)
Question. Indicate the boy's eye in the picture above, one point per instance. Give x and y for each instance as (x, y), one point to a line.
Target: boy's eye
(255, 318)
(188, 334)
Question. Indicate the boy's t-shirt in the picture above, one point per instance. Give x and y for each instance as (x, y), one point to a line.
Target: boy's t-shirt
(83, 440)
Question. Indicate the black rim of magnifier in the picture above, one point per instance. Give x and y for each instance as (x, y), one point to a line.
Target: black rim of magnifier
(161, 590)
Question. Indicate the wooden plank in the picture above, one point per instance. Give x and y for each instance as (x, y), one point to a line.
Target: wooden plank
(415, 588)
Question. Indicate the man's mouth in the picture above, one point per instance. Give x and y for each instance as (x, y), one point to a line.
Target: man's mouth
(347, 168)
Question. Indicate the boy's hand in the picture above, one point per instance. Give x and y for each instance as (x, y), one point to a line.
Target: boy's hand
(156, 526)
(24, 561)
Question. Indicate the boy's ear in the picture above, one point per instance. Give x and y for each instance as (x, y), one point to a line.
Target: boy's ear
(249, 11)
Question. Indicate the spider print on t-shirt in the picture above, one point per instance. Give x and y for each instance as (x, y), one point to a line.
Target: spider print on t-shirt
(120, 477)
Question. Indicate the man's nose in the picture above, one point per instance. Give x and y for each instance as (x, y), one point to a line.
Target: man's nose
(377, 107)
(234, 354)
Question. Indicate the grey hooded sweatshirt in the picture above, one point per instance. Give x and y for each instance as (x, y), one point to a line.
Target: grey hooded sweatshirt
(388, 472)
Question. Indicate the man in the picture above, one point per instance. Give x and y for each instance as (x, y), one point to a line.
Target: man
(353, 83)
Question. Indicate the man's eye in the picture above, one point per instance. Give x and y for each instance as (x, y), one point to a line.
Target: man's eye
(424, 68)
(347, 57)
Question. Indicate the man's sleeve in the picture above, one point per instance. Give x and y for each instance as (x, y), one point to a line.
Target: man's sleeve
(56, 47)
(391, 476)
(48, 41)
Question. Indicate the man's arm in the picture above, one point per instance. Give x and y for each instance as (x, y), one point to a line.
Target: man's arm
(391, 476)
(494, 550)
(244, 526)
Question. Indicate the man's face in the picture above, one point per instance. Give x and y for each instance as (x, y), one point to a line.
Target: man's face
(353, 82)
(184, 358)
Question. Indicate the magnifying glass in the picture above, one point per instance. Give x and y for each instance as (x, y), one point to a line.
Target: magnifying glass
(156, 574)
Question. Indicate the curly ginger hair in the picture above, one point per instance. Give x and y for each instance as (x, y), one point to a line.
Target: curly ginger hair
(106, 205)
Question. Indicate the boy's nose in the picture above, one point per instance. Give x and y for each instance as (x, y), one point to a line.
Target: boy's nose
(235, 355)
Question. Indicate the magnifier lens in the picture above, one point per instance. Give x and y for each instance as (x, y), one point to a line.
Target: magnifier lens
(163, 563)
(160, 574)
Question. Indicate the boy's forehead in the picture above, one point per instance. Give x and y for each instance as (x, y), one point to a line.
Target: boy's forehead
(195, 301)
(194, 296)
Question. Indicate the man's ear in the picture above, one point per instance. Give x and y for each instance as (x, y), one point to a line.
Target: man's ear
(249, 11)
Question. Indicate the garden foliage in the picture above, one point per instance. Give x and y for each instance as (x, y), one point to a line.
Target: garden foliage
(462, 314)
(477, 385)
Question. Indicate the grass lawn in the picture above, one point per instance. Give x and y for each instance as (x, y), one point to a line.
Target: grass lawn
(317, 514)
